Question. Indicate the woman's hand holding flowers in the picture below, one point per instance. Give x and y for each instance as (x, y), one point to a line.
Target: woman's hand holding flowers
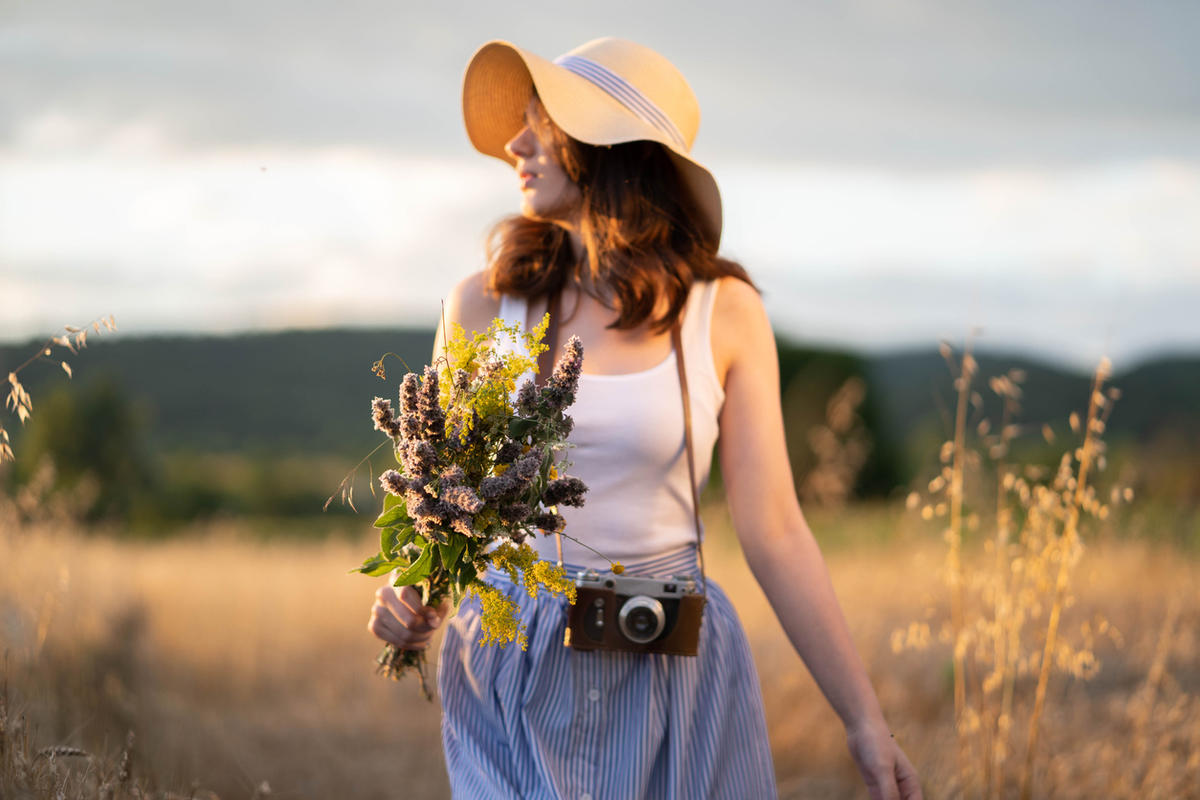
(479, 471)
(399, 618)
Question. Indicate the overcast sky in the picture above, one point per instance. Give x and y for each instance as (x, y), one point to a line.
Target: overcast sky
(892, 172)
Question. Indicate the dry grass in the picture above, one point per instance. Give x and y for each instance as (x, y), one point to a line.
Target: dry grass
(1009, 628)
(18, 401)
(239, 662)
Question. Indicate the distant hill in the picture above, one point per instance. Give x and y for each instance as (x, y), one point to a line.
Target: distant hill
(309, 391)
(294, 391)
(1158, 397)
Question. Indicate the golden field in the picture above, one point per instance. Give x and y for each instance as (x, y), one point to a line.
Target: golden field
(238, 660)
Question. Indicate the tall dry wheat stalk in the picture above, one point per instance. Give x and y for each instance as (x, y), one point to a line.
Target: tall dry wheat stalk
(1006, 606)
(18, 401)
(840, 446)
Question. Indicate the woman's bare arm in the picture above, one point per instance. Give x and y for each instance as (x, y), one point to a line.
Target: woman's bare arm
(470, 305)
(778, 544)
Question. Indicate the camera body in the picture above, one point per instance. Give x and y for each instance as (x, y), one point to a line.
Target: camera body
(643, 615)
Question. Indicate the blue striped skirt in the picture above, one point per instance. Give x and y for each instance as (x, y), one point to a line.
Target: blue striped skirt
(553, 722)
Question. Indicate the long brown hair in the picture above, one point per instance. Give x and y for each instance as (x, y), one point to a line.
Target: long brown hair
(641, 232)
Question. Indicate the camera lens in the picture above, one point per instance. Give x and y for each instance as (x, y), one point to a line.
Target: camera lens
(641, 619)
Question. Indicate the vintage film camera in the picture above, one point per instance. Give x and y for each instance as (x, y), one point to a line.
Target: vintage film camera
(644, 615)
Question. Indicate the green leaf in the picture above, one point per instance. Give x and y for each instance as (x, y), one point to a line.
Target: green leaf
(419, 570)
(407, 534)
(390, 501)
(466, 573)
(518, 427)
(451, 552)
(376, 566)
(392, 516)
(392, 539)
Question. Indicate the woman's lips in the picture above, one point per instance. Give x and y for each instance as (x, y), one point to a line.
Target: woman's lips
(526, 179)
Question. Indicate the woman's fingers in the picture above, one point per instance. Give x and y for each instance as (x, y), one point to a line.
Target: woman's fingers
(411, 599)
(386, 627)
(882, 785)
(875, 753)
(406, 606)
(399, 618)
(897, 780)
(907, 778)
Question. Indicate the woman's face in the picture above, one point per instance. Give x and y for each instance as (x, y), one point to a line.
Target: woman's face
(547, 192)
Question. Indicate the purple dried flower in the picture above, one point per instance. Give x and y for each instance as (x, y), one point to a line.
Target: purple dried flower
(499, 485)
(515, 512)
(409, 421)
(566, 426)
(429, 411)
(527, 399)
(418, 456)
(429, 527)
(489, 370)
(463, 526)
(527, 465)
(393, 483)
(559, 391)
(508, 452)
(549, 523)
(462, 381)
(566, 491)
(515, 479)
(410, 425)
(420, 503)
(453, 476)
(385, 419)
(462, 499)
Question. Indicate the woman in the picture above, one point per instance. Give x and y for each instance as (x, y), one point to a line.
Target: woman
(620, 223)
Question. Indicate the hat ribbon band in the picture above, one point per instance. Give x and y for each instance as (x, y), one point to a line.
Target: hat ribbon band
(624, 93)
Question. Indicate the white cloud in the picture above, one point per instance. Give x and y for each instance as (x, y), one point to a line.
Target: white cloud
(238, 239)
(1128, 224)
(167, 239)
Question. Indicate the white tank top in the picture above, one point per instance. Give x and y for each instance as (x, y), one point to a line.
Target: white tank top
(629, 446)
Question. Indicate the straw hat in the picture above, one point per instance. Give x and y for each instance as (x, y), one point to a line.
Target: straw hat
(607, 91)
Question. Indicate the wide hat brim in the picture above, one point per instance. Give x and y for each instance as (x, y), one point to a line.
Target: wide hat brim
(499, 81)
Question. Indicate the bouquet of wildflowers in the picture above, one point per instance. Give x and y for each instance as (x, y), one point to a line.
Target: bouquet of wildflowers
(475, 470)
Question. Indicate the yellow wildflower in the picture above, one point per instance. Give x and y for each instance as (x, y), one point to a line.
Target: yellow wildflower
(618, 568)
(552, 576)
(511, 558)
(534, 572)
(498, 621)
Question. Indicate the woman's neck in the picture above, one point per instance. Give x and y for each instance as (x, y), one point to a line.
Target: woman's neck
(576, 239)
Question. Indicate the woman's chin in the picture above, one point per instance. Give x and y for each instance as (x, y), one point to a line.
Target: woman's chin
(533, 211)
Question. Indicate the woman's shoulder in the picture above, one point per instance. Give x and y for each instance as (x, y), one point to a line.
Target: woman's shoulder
(739, 323)
(471, 303)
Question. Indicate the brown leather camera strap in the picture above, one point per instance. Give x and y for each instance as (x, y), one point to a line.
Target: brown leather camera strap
(677, 341)
(546, 365)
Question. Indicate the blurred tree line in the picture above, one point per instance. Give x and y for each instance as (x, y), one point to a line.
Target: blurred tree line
(157, 432)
